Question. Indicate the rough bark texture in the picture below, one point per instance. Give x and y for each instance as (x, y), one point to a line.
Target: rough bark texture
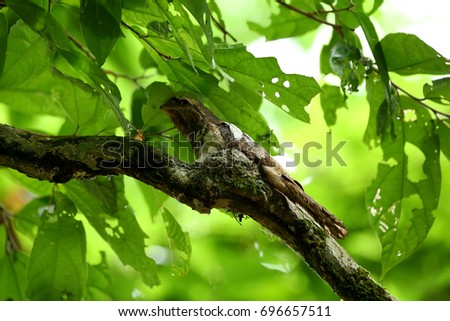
(226, 179)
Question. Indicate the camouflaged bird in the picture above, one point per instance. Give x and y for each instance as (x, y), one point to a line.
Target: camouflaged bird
(207, 134)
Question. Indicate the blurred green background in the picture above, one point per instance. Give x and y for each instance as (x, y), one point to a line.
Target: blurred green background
(233, 261)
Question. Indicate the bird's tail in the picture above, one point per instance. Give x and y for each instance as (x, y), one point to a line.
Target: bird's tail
(321, 215)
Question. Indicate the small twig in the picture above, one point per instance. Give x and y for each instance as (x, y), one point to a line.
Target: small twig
(420, 101)
(125, 76)
(309, 15)
(222, 28)
(82, 48)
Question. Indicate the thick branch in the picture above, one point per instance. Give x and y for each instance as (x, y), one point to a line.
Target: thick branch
(226, 179)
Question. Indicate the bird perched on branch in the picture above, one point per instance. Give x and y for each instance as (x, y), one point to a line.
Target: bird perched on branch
(207, 134)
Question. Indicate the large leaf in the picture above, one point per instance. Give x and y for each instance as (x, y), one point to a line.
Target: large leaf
(180, 244)
(53, 32)
(100, 23)
(103, 203)
(30, 85)
(57, 265)
(407, 54)
(290, 92)
(399, 200)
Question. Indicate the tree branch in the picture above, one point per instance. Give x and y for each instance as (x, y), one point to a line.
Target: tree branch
(226, 180)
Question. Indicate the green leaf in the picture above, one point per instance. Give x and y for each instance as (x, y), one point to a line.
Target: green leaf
(288, 23)
(153, 198)
(39, 188)
(345, 61)
(290, 92)
(31, 85)
(28, 219)
(99, 281)
(13, 267)
(182, 28)
(101, 83)
(407, 54)
(199, 9)
(114, 222)
(3, 40)
(402, 198)
(179, 243)
(438, 91)
(157, 93)
(331, 99)
(444, 136)
(138, 101)
(33, 14)
(57, 265)
(93, 74)
(375, 98)
(32, 73)
(377, 51)
(100, 23)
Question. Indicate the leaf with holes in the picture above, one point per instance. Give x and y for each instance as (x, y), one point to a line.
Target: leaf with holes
(402, 198)
(180, 244)
(199, 9)
(290, 92)
(115, 222)
(57, 265)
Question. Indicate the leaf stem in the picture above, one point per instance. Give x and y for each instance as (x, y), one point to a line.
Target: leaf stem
(222, 28)
(124, 76)
(81, 47)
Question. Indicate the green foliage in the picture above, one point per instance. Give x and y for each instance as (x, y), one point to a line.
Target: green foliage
(103, 203)
(100, 23)
(63, 60)
(57, 263)
(180, 244)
